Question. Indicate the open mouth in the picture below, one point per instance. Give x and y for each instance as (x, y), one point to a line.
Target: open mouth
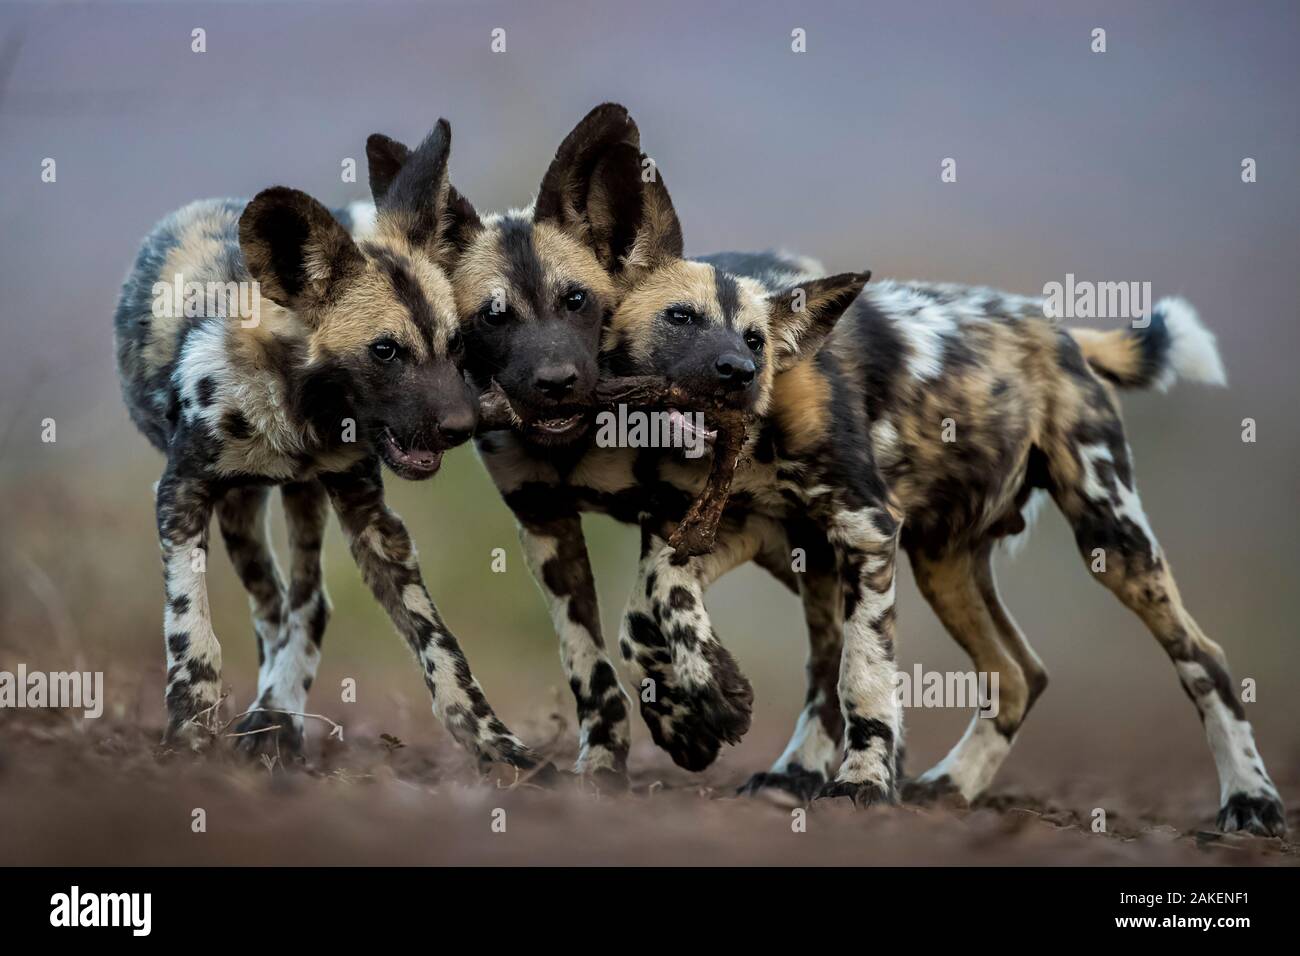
(692, 427)
(553, 426)
(408, 462)
(561, 425)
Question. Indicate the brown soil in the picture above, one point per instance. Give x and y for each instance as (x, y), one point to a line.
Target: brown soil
(102, 792)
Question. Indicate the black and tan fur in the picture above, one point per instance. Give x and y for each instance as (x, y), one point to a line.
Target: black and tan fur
(589, 236)
(534, 288)
(848, 463)
(1033, 409)
(587, 232)
(356, 361)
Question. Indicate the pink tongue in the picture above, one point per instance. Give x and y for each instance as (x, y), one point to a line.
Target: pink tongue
(677, 418)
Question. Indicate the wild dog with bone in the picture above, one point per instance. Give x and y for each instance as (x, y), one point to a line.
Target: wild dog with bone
(534, 288)
(355, 360)
(847, 462)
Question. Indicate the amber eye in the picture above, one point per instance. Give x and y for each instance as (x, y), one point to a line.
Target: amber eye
(575, 300)
(679, 315)
(755, 342)
(385, 350)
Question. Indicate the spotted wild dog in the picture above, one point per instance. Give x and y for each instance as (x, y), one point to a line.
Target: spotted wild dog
(846, 463)
(353, 360)
(849, 459)
(534, 288)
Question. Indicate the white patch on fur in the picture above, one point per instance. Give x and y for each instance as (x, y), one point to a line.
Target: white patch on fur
(291, 663)
(810, 746)
(363, 218)
(526, 213)
(807, 265)
(1230, 739)
(1015, 543)
(974, 760)
(920, 321)
(580, 655)
(1126, 503)
(277, 440)
(416, 600)
(1193, 352)
(884, 443)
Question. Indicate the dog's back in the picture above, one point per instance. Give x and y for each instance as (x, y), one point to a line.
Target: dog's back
(200, 244)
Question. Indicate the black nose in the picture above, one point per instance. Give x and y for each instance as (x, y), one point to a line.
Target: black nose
(456, 428)
(556, 381)
(733, 370)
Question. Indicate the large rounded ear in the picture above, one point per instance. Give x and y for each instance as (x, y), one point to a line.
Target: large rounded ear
(385, 156)
(295, 249)
(413, 195)
(592, 189)
(656, 235)
(804, 314)
(417, 192)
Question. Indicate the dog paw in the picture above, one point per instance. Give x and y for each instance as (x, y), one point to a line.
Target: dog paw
(692, 723)
(927, 790)
(267, 732)
(863, 794)
(603, 767)
(722, 710)
(792, 787)
(680, 734)
(1258, 813)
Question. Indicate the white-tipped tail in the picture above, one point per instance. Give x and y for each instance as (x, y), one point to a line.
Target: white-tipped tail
(1193, 352)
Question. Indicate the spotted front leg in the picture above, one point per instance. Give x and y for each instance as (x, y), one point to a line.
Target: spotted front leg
(693, 696)
(184, 508)
(557, 556)
(384, 552)
(866, 540)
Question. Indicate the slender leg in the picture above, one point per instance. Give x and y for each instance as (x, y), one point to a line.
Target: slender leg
(866, 540)
(814, 749)
(384, 552)
(557, 556)
(1094, 487)
(959, 586)
(288, 669)
(184, 508)
(241, 516)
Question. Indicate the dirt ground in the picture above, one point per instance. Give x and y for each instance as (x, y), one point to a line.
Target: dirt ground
(75, 792)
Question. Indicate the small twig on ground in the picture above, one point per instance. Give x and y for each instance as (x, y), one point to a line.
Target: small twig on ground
(336, 729)
(260, 730)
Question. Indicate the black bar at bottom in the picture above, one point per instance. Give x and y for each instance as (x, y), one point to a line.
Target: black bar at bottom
(852, 906)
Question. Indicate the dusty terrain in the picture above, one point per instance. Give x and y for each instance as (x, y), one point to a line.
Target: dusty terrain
(102, 792)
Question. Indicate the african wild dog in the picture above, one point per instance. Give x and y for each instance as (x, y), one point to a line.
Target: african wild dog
(534, 288)
(850, 458)
(1036, 414)
(354, 360)
(847, 462)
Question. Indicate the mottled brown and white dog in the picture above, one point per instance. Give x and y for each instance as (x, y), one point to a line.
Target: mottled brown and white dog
(350, 356)
(534, 288)
(848, 462)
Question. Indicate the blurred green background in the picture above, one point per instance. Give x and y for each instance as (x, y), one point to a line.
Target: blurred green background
(1115, 166)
